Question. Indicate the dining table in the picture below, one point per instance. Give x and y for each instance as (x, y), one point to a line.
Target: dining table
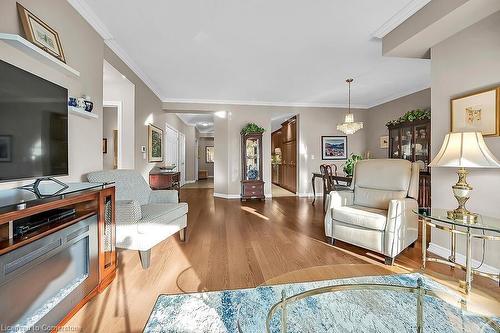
(335, 179)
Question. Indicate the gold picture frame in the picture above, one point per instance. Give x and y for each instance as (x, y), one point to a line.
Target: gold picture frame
(209, 154)
(384, 142)
(40, 33)
(478, 111)
(155, 144)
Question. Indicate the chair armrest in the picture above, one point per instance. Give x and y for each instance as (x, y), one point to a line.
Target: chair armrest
(336, 199)
(128, 211)
(402, 225)
(164, 196)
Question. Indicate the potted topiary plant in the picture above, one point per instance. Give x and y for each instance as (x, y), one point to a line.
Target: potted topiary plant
(349, 164)
(252, 128)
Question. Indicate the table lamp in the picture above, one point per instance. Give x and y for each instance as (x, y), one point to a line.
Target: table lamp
(464, 150)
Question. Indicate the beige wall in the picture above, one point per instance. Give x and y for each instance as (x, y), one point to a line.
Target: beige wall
(312, 124)
(83, 49)
(378, 116)
(466, 62)
(147, 110)
(204, 142)
(118, 89)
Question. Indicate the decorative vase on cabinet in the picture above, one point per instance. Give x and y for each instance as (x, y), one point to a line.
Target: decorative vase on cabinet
(252, 185)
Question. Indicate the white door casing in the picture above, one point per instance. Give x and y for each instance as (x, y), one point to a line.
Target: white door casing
(182, 158)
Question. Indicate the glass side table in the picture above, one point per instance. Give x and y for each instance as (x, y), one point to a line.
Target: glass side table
(485, 228)
(364, 307)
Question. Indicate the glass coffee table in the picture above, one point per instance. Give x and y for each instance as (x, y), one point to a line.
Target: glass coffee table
(485, 228)
(364, 307)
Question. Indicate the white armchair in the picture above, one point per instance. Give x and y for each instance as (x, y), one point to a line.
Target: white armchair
(144, 217)
(376, 213)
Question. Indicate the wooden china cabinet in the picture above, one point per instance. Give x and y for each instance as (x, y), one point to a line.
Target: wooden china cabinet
(252, 185)
(284, 173)
(411, 141)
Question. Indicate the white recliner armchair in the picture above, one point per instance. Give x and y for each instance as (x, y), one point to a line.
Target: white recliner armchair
(144, 217)
(376, 214)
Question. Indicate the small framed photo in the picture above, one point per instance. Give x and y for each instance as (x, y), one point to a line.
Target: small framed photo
(155, 142)
(104, 145)
(477, 112)
(40, 33)
(209, 154)
(5, 148)
(334, 147)
(384, 142)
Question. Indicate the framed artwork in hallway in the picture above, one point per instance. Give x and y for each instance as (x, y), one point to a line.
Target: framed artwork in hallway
(209, 154)
(334, 147)
(155, 144)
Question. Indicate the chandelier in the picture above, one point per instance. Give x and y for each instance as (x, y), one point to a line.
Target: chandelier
(349, 126)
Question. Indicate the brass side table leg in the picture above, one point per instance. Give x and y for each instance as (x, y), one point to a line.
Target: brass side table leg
(468, 263)
(453, 246)
(424, 242)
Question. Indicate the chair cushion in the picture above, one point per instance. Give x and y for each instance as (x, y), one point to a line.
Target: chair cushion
(378, 181)
(379, 199)
(129, 184)
(365, 217)
(157, 215)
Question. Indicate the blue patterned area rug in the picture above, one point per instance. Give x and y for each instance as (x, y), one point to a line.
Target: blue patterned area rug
(246, 310)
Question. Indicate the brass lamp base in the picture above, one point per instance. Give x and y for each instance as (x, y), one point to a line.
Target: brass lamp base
(461, 191)
(459, 215)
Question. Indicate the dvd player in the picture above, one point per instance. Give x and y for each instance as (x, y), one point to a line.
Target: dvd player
(32, 223)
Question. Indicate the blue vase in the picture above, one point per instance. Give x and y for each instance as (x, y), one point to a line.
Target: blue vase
(72, 101)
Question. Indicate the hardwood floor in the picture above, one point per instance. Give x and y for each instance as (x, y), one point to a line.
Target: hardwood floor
(238, 245)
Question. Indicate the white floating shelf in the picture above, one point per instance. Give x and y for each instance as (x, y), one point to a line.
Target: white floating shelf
(82, 113)
(36, 52)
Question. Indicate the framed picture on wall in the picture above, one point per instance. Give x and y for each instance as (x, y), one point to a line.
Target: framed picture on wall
(155, 144)
(40, 33)
(334, 147)
(479, 111)
(384, 142)
(209, 154)
(104, 145)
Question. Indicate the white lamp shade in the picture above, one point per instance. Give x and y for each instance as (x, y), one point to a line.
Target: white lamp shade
(465, 150)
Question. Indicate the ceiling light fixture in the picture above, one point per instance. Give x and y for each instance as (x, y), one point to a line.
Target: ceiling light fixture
(349, 126)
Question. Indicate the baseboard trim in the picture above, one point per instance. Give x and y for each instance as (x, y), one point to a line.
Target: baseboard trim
(227, 196)
(235, 196)
(460, 258)
(190, 182)
(309, 195)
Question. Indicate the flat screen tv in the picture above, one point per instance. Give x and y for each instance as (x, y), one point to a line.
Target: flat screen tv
(33, 126)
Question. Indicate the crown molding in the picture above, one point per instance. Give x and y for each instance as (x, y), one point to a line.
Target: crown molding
(263, 103)
(399, 95)
(182, 119)
(398, 18)
(88, 14)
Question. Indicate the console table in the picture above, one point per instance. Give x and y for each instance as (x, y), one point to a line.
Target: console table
(57, 251)
(164, 180)
(486, 228)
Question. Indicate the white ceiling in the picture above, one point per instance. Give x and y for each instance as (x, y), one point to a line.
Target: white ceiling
(204, 122)
(280, 52)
